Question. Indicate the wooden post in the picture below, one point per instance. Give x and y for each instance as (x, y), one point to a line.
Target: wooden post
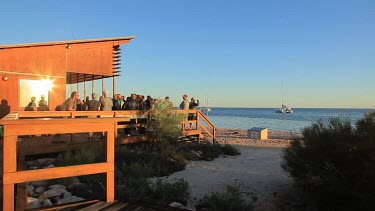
(78, 89)
(110, 175)
(196, 117)
(9, 166)
(21, 199)
(93, 86)
(114, 86)
(84, 90)
(103, 86)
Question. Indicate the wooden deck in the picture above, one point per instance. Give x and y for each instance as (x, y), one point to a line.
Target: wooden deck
(29, 133)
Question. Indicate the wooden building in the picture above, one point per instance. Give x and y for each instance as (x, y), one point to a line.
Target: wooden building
(36, 69)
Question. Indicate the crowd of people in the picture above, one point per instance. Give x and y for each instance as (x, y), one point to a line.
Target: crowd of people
(118, 102)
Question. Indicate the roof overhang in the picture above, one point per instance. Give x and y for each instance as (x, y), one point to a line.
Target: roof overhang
(65, 42)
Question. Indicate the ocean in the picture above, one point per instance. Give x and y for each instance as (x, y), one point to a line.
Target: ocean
(246, 118)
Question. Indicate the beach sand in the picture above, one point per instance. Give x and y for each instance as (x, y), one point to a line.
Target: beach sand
(256, 170)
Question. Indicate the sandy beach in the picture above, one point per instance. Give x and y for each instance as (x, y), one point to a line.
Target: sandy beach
(257, 170)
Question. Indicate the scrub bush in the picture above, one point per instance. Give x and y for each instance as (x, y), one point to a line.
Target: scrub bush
(335, 163)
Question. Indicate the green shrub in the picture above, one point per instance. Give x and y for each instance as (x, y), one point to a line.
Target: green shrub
(137, 170)
(178, 191)
(335, 163)
(230, 150)
(89, 154)
(135, 188)
(208, 151)
(231, 199)
(164, 125)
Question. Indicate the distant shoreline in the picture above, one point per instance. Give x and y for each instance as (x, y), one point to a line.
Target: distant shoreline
(278, 139)
(366, 108)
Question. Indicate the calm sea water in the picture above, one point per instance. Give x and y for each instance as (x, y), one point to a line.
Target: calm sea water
(246, 118)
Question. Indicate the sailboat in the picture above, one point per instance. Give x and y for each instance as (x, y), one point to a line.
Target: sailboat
(206, 107)
(284, 109)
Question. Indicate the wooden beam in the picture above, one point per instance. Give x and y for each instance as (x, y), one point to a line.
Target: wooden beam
(57, 172)
(33, 127)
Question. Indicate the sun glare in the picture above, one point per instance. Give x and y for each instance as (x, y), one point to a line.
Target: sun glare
(34, 88)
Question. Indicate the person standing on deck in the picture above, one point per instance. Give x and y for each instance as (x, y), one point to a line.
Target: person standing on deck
(106, 102)
(71, 103)
(192, 106)
(106, 105)
(184, 106)
(185, 103)
(119, 103)
(169, 103)
(131, 104)
(93, 105)
(114, 101)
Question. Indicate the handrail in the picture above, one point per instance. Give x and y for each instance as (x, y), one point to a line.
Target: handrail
(209, 123)
(132, 114)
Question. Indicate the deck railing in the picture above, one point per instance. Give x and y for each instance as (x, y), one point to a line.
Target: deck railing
(210, 129)
(15, 128)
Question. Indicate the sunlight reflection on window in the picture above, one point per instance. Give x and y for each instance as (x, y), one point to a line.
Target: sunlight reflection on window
(34, 88)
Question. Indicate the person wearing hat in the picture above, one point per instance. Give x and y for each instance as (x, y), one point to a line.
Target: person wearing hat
(106, 102)
(185, 103)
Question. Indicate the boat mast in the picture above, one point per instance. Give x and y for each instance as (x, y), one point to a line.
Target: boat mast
(282, 93)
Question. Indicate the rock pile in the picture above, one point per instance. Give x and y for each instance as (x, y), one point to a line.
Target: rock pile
(39, 196)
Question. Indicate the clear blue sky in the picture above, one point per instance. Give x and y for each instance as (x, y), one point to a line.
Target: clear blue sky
(236, 53)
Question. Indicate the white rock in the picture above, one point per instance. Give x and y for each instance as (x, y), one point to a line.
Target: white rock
(47, 203)
(57, 187)
(31, 199)
(67, 194)
(33, 203)
(41, 189)
(52, 193)
(177, 205)
(30, 187)
(70, 199)
(49, 166)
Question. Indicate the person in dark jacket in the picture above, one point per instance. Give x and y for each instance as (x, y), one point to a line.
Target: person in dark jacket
(192, 106)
